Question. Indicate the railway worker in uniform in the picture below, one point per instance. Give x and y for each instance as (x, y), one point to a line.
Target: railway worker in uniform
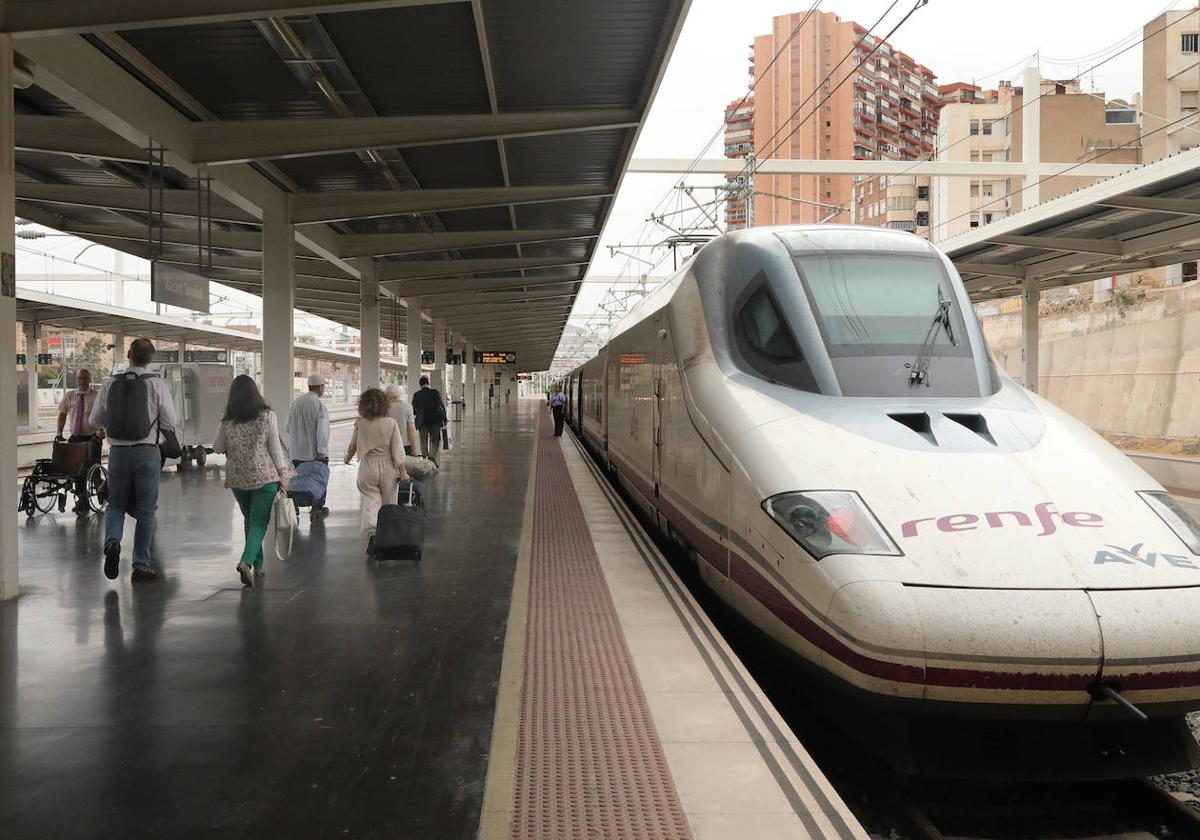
(401, 411)
(558, 404)
(133, 408)
(308, 431)
(430, 413)
(76, 410)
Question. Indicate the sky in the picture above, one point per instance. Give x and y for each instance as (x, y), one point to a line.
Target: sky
(959, 40)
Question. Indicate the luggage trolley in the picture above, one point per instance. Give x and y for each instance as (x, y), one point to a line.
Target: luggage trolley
(53, 478)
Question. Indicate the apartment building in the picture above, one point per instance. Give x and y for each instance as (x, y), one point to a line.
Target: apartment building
(1171, 83)
(887, 109)
(1076, 126)
(739, 143)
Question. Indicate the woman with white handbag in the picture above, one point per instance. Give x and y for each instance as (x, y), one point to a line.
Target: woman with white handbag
(256, 468)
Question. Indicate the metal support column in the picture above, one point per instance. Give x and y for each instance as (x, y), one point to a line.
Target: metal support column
(413, 304)
(438, 380)
(1031, 137)
(369, 326)
(279, 298)
(457, 388)
(32, 333)
(469, 361)
(1030, 299)
(8, 324)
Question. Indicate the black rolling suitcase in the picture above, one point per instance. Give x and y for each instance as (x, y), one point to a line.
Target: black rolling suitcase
(400, 528)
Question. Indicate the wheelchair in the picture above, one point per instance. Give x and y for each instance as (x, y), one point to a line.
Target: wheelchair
(53, 479)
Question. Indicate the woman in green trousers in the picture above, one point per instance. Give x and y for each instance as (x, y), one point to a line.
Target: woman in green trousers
(255, 467)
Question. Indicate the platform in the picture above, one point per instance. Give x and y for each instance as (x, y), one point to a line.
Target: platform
(426, 700)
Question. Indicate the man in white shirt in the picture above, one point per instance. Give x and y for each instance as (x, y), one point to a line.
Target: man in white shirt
(134, 462)
(308, 430)
(402, 413)
(73, 414)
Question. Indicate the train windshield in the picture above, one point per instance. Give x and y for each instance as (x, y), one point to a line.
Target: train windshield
(875, 305)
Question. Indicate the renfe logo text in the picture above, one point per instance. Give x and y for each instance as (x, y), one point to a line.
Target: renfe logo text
(1045, 514)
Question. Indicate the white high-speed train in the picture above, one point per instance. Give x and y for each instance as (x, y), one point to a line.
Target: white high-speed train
(813, 413)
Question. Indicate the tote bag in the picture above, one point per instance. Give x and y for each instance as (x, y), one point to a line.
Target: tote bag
(282, 530)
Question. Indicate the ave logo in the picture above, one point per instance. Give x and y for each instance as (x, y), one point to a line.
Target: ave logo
(1134, 555)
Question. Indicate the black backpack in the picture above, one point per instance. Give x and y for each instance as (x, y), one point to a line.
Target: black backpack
(127, 409)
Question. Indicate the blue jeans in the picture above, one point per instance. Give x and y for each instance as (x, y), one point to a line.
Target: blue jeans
(133, 473)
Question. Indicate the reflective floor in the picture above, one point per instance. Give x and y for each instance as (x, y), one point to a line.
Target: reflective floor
(342, 699)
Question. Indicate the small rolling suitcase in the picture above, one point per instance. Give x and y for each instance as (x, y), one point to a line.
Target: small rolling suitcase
(400, 528)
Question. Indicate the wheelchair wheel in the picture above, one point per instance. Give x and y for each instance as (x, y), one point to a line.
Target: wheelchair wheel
(97, 488)
(43, 496)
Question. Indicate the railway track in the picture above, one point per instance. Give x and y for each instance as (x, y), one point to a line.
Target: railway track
(1126, 809)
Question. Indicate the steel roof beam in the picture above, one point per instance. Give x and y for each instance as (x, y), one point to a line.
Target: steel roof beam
(241, 141)
(796, 166)
(419, 288)
(241, 240)
(313, 208)
(388, 244)
(174, 202)
(1176, 206)
(990, 269)
(1077, 244)
(429, 269)
(41, 18)
(73, 136)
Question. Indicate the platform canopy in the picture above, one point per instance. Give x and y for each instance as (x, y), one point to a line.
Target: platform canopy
(1145, 218)
(463, 151)
(69, 313)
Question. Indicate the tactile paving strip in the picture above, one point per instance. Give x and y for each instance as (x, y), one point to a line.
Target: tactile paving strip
(589, 762)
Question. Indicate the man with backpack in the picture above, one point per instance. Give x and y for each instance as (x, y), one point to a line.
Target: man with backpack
(135, 409)
(430, 413)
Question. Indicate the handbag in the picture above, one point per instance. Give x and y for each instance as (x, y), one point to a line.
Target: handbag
(284, 523)
(168, 442)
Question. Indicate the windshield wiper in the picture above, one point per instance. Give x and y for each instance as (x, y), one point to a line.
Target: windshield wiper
(919, 370)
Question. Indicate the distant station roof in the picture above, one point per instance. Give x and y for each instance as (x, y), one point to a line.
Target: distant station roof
(466, 152)
(70, 313)
(1146, 218)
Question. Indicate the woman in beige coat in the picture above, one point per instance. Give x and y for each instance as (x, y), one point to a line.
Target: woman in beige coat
(380, 448)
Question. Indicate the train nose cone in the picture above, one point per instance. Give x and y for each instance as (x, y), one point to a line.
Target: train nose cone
(1028, 648)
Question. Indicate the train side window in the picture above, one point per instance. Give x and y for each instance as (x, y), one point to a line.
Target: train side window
(767, 346)
(764, 328)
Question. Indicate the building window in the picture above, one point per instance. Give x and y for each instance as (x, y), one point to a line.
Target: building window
(922, 218)
(1189, 41)
(974, 126)
(987, 126)
(922, 192)
(1128, 116)
(1188, 100)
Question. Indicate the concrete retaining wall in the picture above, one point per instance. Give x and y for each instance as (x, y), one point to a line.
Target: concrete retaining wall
(1133, 375)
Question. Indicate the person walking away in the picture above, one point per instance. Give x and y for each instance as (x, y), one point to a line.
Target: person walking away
(430, 413)
(133, 408)
(308, 431)
(380, 449)
(401, 411)
(255, 467)
(558, 404)
(76, 410)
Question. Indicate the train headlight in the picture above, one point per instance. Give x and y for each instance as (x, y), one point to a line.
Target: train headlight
(1177, 519)
(828, 522)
